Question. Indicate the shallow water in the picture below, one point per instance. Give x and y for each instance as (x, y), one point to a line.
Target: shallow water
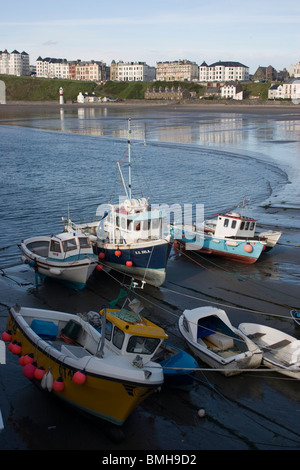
(56, 162)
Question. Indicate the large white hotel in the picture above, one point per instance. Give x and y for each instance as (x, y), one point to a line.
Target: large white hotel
(223, 72)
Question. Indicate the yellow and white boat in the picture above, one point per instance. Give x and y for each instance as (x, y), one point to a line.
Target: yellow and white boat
(64, 354)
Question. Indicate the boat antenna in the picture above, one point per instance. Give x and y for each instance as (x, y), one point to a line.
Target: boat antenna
(129, 159)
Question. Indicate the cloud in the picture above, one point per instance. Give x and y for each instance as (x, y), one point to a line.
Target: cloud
(49, 43)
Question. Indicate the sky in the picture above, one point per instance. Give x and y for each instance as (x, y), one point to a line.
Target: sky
(254, 32)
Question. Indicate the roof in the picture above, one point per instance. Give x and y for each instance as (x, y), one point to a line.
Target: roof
(228, 64)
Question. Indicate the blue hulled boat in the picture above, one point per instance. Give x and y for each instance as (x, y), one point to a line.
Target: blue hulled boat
(230, 235)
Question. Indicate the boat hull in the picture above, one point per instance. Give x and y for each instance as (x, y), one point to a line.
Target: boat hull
(145, 261)
(109, 398)
(179, 368)
(281, 351)
(242, 251)
(74, 272)
(225, 355)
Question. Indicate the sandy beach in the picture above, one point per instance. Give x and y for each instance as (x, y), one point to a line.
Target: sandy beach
(244, 107)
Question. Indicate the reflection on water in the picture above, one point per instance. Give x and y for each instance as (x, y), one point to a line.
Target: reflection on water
(179, 157)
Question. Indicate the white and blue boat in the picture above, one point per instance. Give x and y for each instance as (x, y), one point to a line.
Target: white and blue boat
(129, 236)
(67, 257)
(230, 235)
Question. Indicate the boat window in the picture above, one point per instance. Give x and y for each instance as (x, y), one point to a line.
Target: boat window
(155, 223)
(247, 226)
(252, 225)
(137, 225)
(108, 330)
(123, 222)
(69, 245)
(117, 221)
(146, 225)
(233, 224)
(226, 222)
(55, 246)
(142, 345)
(242, 225)
(84, 242)
(118, 337)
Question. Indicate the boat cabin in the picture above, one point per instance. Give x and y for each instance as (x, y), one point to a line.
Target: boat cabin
(60, 247)
(127, 333)
(131, 222)
(234, 225)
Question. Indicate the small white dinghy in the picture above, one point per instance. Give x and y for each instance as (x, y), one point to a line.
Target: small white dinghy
(210, 335)
(281, 351)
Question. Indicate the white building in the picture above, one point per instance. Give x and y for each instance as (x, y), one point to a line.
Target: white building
(178, 70)
(294, 70)
(288, 90)
(14, 63)
(223, 72)
(134, 72)
(232, 90)
(50, 68)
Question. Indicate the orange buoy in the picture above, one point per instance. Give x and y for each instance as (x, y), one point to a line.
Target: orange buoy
(6, 336)
(101, 255)
(129, 263)
(58, 385)
(118, 253)
(79, 378)
(248, 248)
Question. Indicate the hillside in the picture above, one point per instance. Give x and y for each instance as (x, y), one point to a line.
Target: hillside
(44, 89)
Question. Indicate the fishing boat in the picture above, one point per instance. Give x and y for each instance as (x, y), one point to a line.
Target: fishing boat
(129, 236)
(67, 257)
(212, 338)
(64, 354)
(281, 351)
(231, 235)
(135, 336)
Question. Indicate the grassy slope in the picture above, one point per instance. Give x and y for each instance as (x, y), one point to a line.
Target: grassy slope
(43, 89)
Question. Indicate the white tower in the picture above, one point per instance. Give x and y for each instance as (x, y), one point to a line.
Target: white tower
(61, 96)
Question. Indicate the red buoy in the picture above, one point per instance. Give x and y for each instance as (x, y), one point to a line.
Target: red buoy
(58, 385)
(6, 336)
(99, 267)
(79, 378)
(129, 263)
(118, 253)
(28, 370)
(39, 373)
(16, 349)
(28, 359)
(11, 345)
(21, 361)
(101, 255)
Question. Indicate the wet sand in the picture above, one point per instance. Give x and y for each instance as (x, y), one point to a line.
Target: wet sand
(241, 107)
(256, 410)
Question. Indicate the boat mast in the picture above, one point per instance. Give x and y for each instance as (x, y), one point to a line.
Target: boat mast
(129, 159)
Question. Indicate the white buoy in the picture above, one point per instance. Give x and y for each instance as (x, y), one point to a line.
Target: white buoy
(201, 413)
(61, 96)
